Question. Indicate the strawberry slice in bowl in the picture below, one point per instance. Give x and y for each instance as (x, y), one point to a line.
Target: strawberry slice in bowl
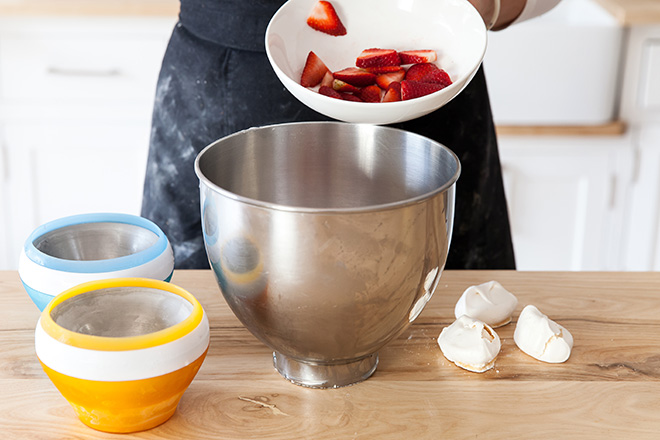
(416, 89)
(355, 77)
(385, 79)
(314, 71)
(428, 73)
(378, 58)
(417, 56)
(393, 92)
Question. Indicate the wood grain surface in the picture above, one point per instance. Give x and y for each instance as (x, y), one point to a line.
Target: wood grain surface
(609, 388)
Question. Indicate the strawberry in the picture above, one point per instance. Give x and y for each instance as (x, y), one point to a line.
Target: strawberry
(324, 18)
(370, 94)
(393, 92)
(383, 69)
(384, 79)
(342, 86)
(314, 71)
(428, 73)
(415, 89)
(350, 97)
(329, 91)
(378, 58)
(327, 79)
(417, 56)
(355, 77)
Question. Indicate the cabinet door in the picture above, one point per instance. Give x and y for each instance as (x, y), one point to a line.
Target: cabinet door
(641, 249)
(640, 98)
(61, 169)
(4, 245)
(563, 201)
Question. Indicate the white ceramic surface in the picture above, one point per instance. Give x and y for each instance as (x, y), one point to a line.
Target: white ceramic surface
(561, 68)
(453, 28)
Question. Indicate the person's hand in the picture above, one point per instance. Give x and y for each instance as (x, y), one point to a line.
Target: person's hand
(499, 18)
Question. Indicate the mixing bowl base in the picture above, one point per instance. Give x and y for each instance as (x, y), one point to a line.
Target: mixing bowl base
(325, 375)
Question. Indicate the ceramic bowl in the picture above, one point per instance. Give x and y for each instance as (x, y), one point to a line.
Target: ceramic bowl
(122, 351)
(327, 239)
(69, 251)
(453, 28)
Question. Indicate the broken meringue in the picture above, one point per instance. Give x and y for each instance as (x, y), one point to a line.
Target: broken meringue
(470, 344)
(488, 302)
(541, 338)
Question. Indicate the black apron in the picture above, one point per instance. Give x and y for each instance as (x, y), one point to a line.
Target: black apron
(216, 80)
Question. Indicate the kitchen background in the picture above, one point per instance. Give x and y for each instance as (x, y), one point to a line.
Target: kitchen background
(575, 95)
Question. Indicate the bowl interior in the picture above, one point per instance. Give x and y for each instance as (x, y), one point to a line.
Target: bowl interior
(121, 311)
(328, 165)
(453, 28)
(95, 241)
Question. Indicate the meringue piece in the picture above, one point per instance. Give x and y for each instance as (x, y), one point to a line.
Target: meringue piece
(541, 338)
(488, 302)
(470, 344)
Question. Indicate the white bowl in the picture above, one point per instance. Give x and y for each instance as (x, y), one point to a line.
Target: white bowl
(453, 28)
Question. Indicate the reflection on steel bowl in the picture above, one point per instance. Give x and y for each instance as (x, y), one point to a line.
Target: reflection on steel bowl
(327, 239)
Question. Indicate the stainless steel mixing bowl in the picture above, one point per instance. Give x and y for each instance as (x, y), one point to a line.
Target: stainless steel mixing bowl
(327, 239)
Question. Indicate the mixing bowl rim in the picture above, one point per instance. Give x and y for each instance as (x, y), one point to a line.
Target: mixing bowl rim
(106, 343)
(94, 266)
(350, 210)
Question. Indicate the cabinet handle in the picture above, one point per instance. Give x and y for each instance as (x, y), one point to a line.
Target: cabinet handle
(613, 188)
(83, 72)
(4, 162)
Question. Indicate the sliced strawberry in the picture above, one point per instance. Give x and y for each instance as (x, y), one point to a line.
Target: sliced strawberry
(393, 92)
(342, 86)
(415, 89)
(324, 18)
(329, 91)
(428, 73)
(417, 56)
(370, 94)
(383, 69)
(327, 79)
(384, 79)
(355, 77)
(378, 58)
(350, 97)
(313, 72)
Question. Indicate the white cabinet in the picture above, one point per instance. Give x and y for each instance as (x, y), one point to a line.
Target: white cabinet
(640, 105)
(593, 202)
(565, 198)
(4, 211)
(76, 97)
(641, 249)
(640, 101)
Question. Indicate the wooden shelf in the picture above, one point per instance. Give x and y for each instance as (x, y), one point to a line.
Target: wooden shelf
(616, 128)
(90, 7)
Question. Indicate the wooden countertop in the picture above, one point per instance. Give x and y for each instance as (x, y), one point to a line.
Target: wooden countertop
(609, 388)
(628, 12)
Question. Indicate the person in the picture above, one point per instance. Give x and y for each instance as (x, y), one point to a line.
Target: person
(216, 80)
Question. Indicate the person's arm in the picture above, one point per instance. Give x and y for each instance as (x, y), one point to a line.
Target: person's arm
(512, 11)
